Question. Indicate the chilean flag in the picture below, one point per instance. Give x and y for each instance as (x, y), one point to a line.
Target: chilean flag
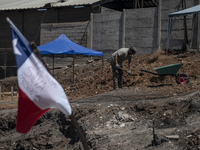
(38, 90)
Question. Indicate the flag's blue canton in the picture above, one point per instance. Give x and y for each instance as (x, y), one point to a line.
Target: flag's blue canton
(22, 47)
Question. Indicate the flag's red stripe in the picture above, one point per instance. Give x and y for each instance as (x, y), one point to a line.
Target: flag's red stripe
(28, 113)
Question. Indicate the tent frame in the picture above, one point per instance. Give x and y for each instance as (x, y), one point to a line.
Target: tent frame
(68, 47)
(73, 62)
(182, 13)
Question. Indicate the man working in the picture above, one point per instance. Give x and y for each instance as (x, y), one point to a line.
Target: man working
(117, 59)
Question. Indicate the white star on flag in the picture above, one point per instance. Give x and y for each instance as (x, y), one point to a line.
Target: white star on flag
(16, 51)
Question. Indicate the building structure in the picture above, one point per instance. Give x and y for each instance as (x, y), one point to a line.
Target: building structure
(103, 25)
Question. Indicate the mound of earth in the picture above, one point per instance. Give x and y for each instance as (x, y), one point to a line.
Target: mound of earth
(150, 112)
(93, 79)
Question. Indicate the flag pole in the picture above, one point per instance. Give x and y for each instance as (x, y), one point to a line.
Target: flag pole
(80, 132)
(73, 120)
(28, 47)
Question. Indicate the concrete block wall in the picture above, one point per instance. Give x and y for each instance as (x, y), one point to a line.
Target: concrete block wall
(141, 29)
(76, 32)
(107, 30)
(110, 30)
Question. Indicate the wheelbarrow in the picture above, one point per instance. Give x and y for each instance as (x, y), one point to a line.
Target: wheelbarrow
(172, 70)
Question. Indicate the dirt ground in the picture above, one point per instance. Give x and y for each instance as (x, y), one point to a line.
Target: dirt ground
(150, 112)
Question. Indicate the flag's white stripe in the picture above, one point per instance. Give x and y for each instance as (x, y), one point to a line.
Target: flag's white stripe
(41, 88)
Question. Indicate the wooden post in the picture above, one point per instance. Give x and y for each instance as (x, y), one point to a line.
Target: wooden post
(12, 93)
(136, 1)
(0, 93)
(138, 4)
(142, 4)
(5, 72)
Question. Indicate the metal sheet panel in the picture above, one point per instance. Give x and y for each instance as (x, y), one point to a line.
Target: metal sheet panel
(32, 4)
(76, 2)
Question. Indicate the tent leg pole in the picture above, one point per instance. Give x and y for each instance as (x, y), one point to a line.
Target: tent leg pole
(102, 62)
(193, 20)
(168, 34)
(73, 69)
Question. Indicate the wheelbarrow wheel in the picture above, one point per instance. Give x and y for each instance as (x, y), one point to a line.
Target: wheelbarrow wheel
(182, 78)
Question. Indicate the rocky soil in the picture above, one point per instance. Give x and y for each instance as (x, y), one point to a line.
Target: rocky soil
(150, 112)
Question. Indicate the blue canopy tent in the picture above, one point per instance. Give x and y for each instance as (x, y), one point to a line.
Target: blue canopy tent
(63, 45)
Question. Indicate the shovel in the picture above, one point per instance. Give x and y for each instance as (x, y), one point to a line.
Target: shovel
(127, 72)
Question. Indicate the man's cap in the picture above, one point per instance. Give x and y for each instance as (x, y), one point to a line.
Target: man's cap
(133, 49)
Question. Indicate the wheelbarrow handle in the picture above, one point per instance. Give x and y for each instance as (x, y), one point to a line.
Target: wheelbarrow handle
(149, 72)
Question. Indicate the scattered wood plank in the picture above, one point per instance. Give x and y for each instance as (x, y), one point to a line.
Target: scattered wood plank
(172, 137)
